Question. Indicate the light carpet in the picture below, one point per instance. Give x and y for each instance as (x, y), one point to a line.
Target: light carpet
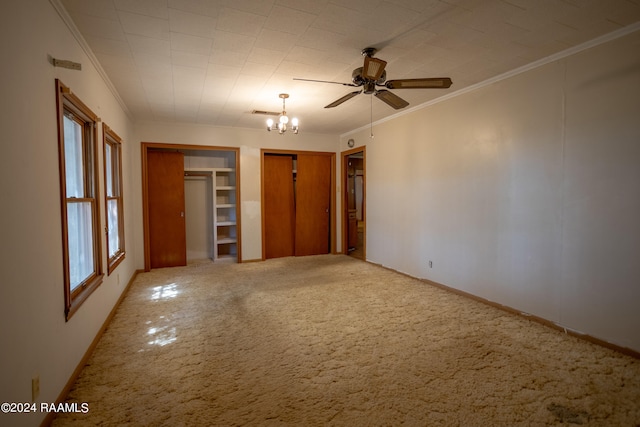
(329, 340)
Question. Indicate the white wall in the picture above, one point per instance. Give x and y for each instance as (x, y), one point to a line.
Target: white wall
(250, 141)
(34, 336)
(525, 192)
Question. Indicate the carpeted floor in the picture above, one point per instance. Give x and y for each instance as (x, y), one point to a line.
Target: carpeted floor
(330, 340)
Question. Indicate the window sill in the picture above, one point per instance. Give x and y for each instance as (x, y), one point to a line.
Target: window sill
(82, 295)
(114, 262)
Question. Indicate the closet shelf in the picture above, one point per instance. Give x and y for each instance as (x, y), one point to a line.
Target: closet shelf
(227, 240)
(224, 189)
(209, 170)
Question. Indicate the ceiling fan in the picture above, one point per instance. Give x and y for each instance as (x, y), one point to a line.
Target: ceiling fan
(372, 74)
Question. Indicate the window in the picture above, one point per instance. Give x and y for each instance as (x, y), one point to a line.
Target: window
(113, 197)
(79, 198)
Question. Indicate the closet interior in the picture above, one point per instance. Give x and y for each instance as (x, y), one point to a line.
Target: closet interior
(211, 205)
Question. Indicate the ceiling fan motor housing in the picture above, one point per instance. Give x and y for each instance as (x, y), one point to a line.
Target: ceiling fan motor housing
(356, 77)
(358, 80)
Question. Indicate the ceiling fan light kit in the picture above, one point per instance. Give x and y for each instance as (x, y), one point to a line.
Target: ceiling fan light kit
(283, 120)
(372, 74)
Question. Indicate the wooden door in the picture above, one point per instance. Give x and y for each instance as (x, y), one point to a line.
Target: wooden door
(313, 202)
(279, 208)
(167, 232)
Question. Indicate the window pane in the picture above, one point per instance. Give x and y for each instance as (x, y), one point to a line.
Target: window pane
(73, 158)
(108, 167)
(80, 238)
(112, 220)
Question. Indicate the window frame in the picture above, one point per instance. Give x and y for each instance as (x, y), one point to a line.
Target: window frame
(111, 139)
(69, 104)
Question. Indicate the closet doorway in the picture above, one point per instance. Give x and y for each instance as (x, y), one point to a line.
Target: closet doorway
(298, 203)
(196, 191)
(354, 202)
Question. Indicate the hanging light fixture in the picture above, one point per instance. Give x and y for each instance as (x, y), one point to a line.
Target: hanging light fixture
(283, 120)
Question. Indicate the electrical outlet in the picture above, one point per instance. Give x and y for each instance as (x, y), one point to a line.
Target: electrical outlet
(35, 388)
(430, 264)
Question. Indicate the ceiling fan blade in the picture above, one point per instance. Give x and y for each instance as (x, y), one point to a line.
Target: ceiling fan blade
(325, 81)
(391, 99)
(343, 99)
(428, 83)
(373, 68)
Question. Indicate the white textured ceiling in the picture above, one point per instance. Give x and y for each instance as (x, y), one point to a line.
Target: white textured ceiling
(214, 61)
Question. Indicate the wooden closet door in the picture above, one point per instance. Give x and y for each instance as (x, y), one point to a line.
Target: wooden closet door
(313, 201)
(167, 232)
(279, 208)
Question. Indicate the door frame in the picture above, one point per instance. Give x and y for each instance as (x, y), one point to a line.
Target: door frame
(145, 147)
(345, 201)
(332, 209)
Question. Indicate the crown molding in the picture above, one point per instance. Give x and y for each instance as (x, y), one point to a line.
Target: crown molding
(66, 18)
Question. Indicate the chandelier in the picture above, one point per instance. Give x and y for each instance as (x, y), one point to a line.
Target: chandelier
(283, 120)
